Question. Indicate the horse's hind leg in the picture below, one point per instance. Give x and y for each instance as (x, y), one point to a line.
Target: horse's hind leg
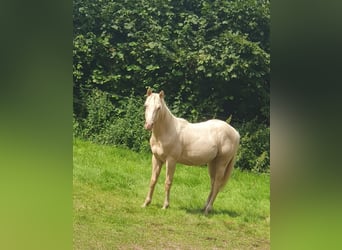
(211, 170)
(217, 173)
(156, 167)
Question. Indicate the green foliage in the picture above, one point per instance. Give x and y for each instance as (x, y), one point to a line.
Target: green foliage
(99, 113)
(126, 126)
(254, 148)
(210, 57)
(117, 125)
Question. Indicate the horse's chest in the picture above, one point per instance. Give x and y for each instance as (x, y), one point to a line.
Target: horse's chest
(158, 149)
(162, 150)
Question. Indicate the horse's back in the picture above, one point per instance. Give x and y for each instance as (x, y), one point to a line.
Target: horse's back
(223, 133)
(225, 128)
(217, 128)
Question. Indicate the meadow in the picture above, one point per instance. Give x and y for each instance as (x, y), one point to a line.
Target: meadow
(111, 183)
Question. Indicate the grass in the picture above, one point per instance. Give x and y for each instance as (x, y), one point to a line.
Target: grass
(110, 185)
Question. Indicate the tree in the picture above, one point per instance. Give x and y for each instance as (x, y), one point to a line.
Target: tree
(211, 57)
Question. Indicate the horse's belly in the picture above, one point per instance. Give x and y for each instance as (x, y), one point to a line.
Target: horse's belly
(197, 157)
(191, 162)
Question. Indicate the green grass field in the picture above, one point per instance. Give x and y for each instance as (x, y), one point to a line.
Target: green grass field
(110, 185)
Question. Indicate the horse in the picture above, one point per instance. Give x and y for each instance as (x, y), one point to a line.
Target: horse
(175, 140)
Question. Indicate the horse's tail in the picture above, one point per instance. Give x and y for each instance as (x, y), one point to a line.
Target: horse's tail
(228, 171)
(230, 164)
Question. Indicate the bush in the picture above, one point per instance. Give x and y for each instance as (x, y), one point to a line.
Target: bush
(120, 124)
(99, 111)
(126, 127)
(206, 55)
(254, 148)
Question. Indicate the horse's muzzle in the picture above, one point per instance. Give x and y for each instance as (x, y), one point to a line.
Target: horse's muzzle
(148, 126)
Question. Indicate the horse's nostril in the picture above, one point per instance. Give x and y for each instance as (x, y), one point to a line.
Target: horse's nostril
(148, 126)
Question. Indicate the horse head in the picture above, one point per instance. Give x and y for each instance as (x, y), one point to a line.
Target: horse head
(153, 107)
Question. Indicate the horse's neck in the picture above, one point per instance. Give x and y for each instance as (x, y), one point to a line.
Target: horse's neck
(166, 123)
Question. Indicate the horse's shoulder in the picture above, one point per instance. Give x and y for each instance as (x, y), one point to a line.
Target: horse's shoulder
(182, 122)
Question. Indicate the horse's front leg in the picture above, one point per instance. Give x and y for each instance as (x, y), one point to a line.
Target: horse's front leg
(170, 170)
(156, 167)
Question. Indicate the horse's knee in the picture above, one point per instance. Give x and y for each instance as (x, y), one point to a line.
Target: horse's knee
(153, 182)
(168, 184)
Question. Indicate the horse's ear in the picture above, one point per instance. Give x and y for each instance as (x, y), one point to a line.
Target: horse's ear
(161, 94)
(149, 91)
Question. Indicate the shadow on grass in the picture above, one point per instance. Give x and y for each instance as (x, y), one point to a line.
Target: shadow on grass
(230, 213)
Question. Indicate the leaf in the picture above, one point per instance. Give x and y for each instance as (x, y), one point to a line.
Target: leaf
(177, 73)
(201, 68)
(152, 67)
(115, 27)
(152, 45)
(128, 26)
(133, 67)
(132, 44)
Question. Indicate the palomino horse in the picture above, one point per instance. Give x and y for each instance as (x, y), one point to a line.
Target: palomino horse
(174, 140)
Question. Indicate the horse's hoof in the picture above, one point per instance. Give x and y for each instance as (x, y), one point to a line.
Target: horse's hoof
(145, 204)
(206, 210)
(165, 206)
